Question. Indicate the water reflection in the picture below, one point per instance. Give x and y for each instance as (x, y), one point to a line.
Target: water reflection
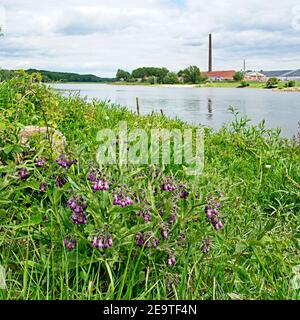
(209, 108)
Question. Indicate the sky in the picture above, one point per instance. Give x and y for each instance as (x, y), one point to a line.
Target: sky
(100, 36)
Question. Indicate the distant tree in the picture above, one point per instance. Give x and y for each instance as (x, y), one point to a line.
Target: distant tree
(122, 75)
(238, 76)
(191, 74)
(146, 72)
(152, 80)
(272, 83)
(291, 84)
(171, 78)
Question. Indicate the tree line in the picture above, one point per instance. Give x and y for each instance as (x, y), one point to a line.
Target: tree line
(51, 76)
(153, 75)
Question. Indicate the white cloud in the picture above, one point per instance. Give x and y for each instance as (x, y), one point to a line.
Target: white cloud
(100, 36)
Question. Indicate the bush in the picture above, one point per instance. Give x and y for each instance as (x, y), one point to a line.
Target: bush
(238, 76)
(290, 84)
(272, 83)
(244, 84)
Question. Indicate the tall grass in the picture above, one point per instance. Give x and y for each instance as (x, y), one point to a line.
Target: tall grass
(255, 255)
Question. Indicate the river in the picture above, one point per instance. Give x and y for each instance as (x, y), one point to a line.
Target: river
(206, 106)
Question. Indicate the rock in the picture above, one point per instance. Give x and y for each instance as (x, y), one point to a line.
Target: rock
(58, 139)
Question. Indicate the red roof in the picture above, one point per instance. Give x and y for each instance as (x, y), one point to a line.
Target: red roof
(228, 74)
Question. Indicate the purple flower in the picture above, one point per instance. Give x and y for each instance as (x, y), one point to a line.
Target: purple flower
(69, 243)
(206, 245)
(65, 162)
(122, 200)
(77, 205)
(23, 174)
(102, 242)
(213, 214)
(79, 218)
(164, 232)
(173, 217)
(43, 187)
(171, 261)
(60, 181)
(184, 194)
(40, 162)
(139, 239)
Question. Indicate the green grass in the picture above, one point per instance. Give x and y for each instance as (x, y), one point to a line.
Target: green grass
(255, 255)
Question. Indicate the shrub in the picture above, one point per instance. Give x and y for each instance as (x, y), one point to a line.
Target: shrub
(272, 83)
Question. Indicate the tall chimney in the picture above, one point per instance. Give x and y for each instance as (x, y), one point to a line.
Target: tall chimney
(210, 54)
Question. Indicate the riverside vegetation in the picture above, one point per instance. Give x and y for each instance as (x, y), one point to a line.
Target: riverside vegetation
(71, 229)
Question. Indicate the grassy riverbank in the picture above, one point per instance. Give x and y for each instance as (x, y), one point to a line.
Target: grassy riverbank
(231, 233)
(219, 84)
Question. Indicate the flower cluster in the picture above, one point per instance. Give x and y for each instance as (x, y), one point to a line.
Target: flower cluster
(213, 214)
(102, 242)
(64, 162)
(98, 183)
(40, 162)
(69, 243)
(120, 199)
(171, 261)
(145, 214)
(168, 185)
(60, 181)
(206, 245)
(77, 205)
(164, 232)
(43, 187)
(146, 239)
(23, 174)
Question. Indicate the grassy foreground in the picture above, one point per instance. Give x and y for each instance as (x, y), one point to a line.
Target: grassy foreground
(231, 233)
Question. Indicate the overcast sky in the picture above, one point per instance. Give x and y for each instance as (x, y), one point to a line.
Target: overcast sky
(100, 36)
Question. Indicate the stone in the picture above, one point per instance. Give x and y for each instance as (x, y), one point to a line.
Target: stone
(58, 139)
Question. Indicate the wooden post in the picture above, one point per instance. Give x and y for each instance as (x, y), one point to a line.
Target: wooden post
(137, 106)
(161, 111)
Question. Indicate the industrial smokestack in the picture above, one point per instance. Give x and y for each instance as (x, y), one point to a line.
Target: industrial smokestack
(210, 54)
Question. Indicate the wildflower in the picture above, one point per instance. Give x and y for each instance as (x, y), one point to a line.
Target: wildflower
(77, 205)
(173, 217)
(43, 187)
(122, 200)
(155, 242)
(79, 218)
(102, 242)
(213, 214)
(144, 214)
(69, 243)
(23, 174)
(164, 232)
(100, 184)
(40, 162)
(65, 162)
(184, 194)
(168, 185)
(171, 261)
(91, 176)
(206, 245)
(60, 181)
(139, 239)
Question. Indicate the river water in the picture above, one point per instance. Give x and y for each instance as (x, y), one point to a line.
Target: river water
(207, 106)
